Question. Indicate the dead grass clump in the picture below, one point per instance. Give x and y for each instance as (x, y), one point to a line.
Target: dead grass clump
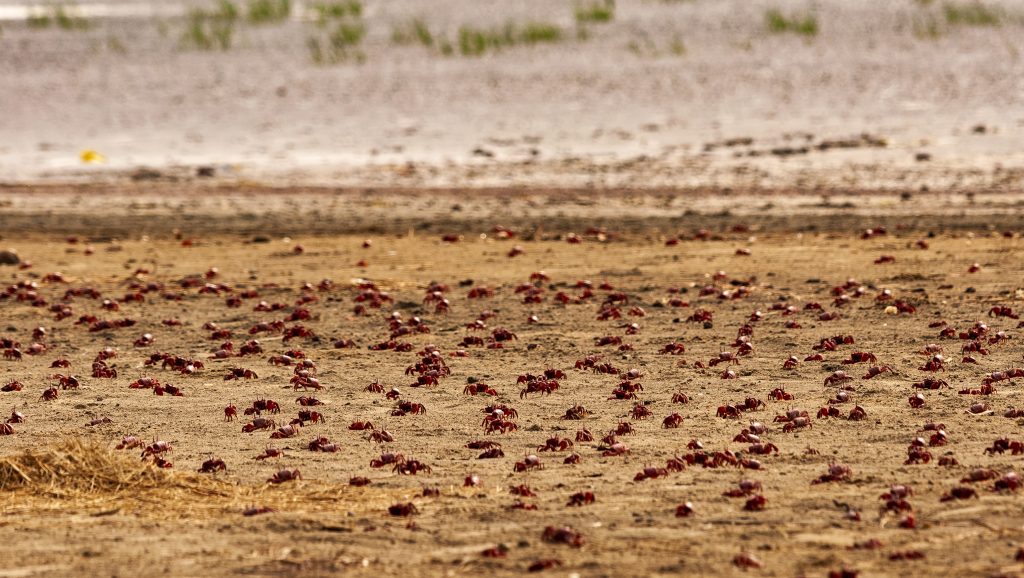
(82, 475)
(75, 467)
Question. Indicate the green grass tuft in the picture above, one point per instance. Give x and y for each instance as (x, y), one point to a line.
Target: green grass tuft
(477, 41)
(345, 32)
(39, 19)
(69, 20)
(677, 47)
(58, 14)
(595, 12)
(973, 14)
(226, 10)
(347, 35)
(414, 31)
(537, 32)
(340, 9)
(115, 45)
(209, 30)
(779, 23)
(269, 11)
(927, 28)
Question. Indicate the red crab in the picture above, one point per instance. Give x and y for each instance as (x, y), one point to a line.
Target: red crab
(836, 473)
(310, 416)
(826, 412)
(381, 436)
(16, 416)
(576, 412)
(675, 348)
(755, 503)
(581, 499)
(837, 377)
(411, 467)
(613, 449)
(860, 357)
(763, 448)
(288, 431)
(724, 357)
(213, 465)
(13, 385)
(555, 444)
(959, 493)
(640, 411)
(168, 389)
(680, 397)
(530, 462)
(130, 443)
(406, 407)
(284, 476)
(745, 560)
(672, 421)
(545, 564)
(744, 488)
(522, 490)
(930, 383)
(387, 459)
(936, 363)
(259, 423)
(156, 448)
(650, 473)
(875, 370)
(479, 389)
(240, 373)
(916, 453)
(563, 535)
(144, 383)
(1005, 444)
(796, 423)
(1002, 311)
(269, 452)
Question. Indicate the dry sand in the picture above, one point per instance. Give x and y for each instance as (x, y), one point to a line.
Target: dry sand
(632, 528)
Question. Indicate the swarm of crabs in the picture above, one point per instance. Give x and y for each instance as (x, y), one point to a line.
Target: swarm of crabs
(576, 394)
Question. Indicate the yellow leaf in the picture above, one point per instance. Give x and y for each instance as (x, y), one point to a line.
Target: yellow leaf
(90, 156)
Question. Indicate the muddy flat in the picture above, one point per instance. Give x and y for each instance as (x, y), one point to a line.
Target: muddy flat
(872, 94)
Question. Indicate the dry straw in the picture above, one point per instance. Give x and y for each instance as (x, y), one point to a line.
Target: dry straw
(77, 475)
